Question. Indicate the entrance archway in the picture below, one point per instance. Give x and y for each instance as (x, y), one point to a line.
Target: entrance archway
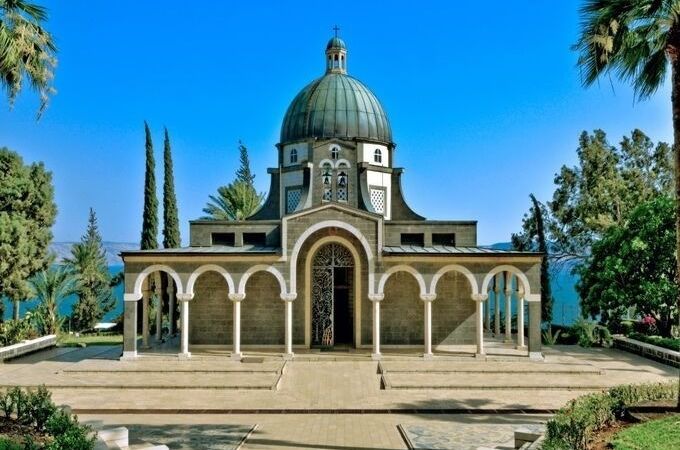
(332, 296)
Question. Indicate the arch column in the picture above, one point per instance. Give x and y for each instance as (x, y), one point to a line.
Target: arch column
(479, 300)
(236, 305)
(487, 313)
(535, 327)
(376, 299)
(427, 304)
(171, 307)
(158, 288)
(288, 300)
(497, 307)
(184, 325)
(130, 327)
(520, 319)
(146, 293)
(508, 308)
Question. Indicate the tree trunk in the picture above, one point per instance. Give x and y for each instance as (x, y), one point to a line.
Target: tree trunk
(675, 102)
(17, 305)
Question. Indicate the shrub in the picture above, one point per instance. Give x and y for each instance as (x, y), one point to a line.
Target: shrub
(669, 343)
(15, 331)
(21, 404)
(574, 425)
(6, 404)
(41, 407)
(68, 433)
(589, 333)
(6, 444)
(550, 338)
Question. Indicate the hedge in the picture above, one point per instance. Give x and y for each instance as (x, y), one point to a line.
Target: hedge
(574, 426)
(669, 343)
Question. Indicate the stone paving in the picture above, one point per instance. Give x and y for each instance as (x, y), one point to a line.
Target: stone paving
(322, 401)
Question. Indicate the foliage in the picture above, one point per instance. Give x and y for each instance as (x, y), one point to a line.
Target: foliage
(150, 215)
(550, 338)
(71, 340)
(669, 343)
(51, 287)
(658, 434)
(171, 238)
(589, 333)
(36, 409)
(15, 331)
(534, 238)
(94, 290)
(27, 213)
(574, 425)
(27, 50)
(237, 200)
(634, 265)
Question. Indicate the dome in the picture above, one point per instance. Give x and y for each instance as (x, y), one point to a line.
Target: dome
(336, 106)
(335, 42)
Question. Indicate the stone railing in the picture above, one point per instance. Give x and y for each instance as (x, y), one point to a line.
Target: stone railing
(660, 354)
(25, 347)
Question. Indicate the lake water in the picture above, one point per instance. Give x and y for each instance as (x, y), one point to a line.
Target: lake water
(565, 308)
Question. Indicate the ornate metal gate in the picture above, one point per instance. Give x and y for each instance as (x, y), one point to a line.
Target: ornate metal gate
(325, 261)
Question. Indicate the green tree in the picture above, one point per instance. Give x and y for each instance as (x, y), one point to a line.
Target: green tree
(239, 199)
(532, 239)
(27, 50)
(637, 40)
(51, 287)
(27, 213)
(634, 265)
(150, 215)
(88, 264)
(171, 237)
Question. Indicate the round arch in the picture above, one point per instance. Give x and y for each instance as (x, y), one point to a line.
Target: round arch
(507, 268)
(329, 224)
(402, 268)
(210, 268)
(137, 290)
(262, 268)
(454, 268)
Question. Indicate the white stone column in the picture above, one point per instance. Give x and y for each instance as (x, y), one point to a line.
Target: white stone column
(520, 319)
(497, 308)
(479, 320)
(376, 299)
(508, 308)
(184, 324)
(427, 304)
(159, 306)
(236, 304)
(487, 313)
(145, 313)
(288, 300)
(171, 306)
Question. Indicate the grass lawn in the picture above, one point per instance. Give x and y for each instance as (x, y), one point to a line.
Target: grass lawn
(70, 340)
(659, 434)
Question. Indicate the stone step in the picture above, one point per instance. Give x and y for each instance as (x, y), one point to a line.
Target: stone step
(199, 367)
(492, 381)
(524, 367)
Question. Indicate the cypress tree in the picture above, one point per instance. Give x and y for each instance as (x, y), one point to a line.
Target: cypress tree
(243, 174)
(546, 290)
(171, 238)
(150, 218)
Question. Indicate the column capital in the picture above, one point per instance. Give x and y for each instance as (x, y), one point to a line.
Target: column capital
(376, 297)
(236, 297)
(520, 293)
(479, 297)
(428, 297)
(185, 297)
(289, 297)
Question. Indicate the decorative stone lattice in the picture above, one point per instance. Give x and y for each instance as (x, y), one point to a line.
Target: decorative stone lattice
(378, 200)
(293, 197)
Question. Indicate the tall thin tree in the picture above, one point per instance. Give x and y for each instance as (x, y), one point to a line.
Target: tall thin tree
(171, 237)
(546, 289)
(150, 217)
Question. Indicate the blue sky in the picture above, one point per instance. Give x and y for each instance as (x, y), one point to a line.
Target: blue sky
(485, 105)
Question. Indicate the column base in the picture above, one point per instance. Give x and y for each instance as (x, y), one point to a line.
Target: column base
(288, 356)
(536, 356)
(480, 355)
(184, 356)
(376, 356)
(428, 356)
(236, 356)
(521, 347)
(129, 356)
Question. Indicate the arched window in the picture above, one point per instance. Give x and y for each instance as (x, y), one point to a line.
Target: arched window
(293, 156)
(377, 156)
(335, 152)
(327, 181)
(341, 186)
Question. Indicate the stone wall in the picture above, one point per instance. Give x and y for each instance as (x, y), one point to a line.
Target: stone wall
(453, 312)
(401, 312)
(262, 312)
(210, 312)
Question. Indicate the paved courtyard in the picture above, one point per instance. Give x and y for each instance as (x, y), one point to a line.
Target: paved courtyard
(323, 400)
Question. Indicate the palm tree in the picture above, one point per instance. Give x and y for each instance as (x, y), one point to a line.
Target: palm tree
(26, 50)
(51, 287)
(637, 41)
(236, 201)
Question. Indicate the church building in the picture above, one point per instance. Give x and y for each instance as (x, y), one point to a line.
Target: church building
(335, 259)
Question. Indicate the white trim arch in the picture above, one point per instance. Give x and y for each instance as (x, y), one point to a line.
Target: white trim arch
(137, 290)
(402, 268)
(454, 268)
(330, 224)
(325, 161)
(261, 268)
(506, 268)
(210, 268)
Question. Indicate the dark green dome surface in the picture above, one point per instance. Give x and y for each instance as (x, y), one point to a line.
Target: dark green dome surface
(336, 106)
(335, 42)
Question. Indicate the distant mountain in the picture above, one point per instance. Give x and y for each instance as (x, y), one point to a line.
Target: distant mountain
(500, 246)
(112, 249)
